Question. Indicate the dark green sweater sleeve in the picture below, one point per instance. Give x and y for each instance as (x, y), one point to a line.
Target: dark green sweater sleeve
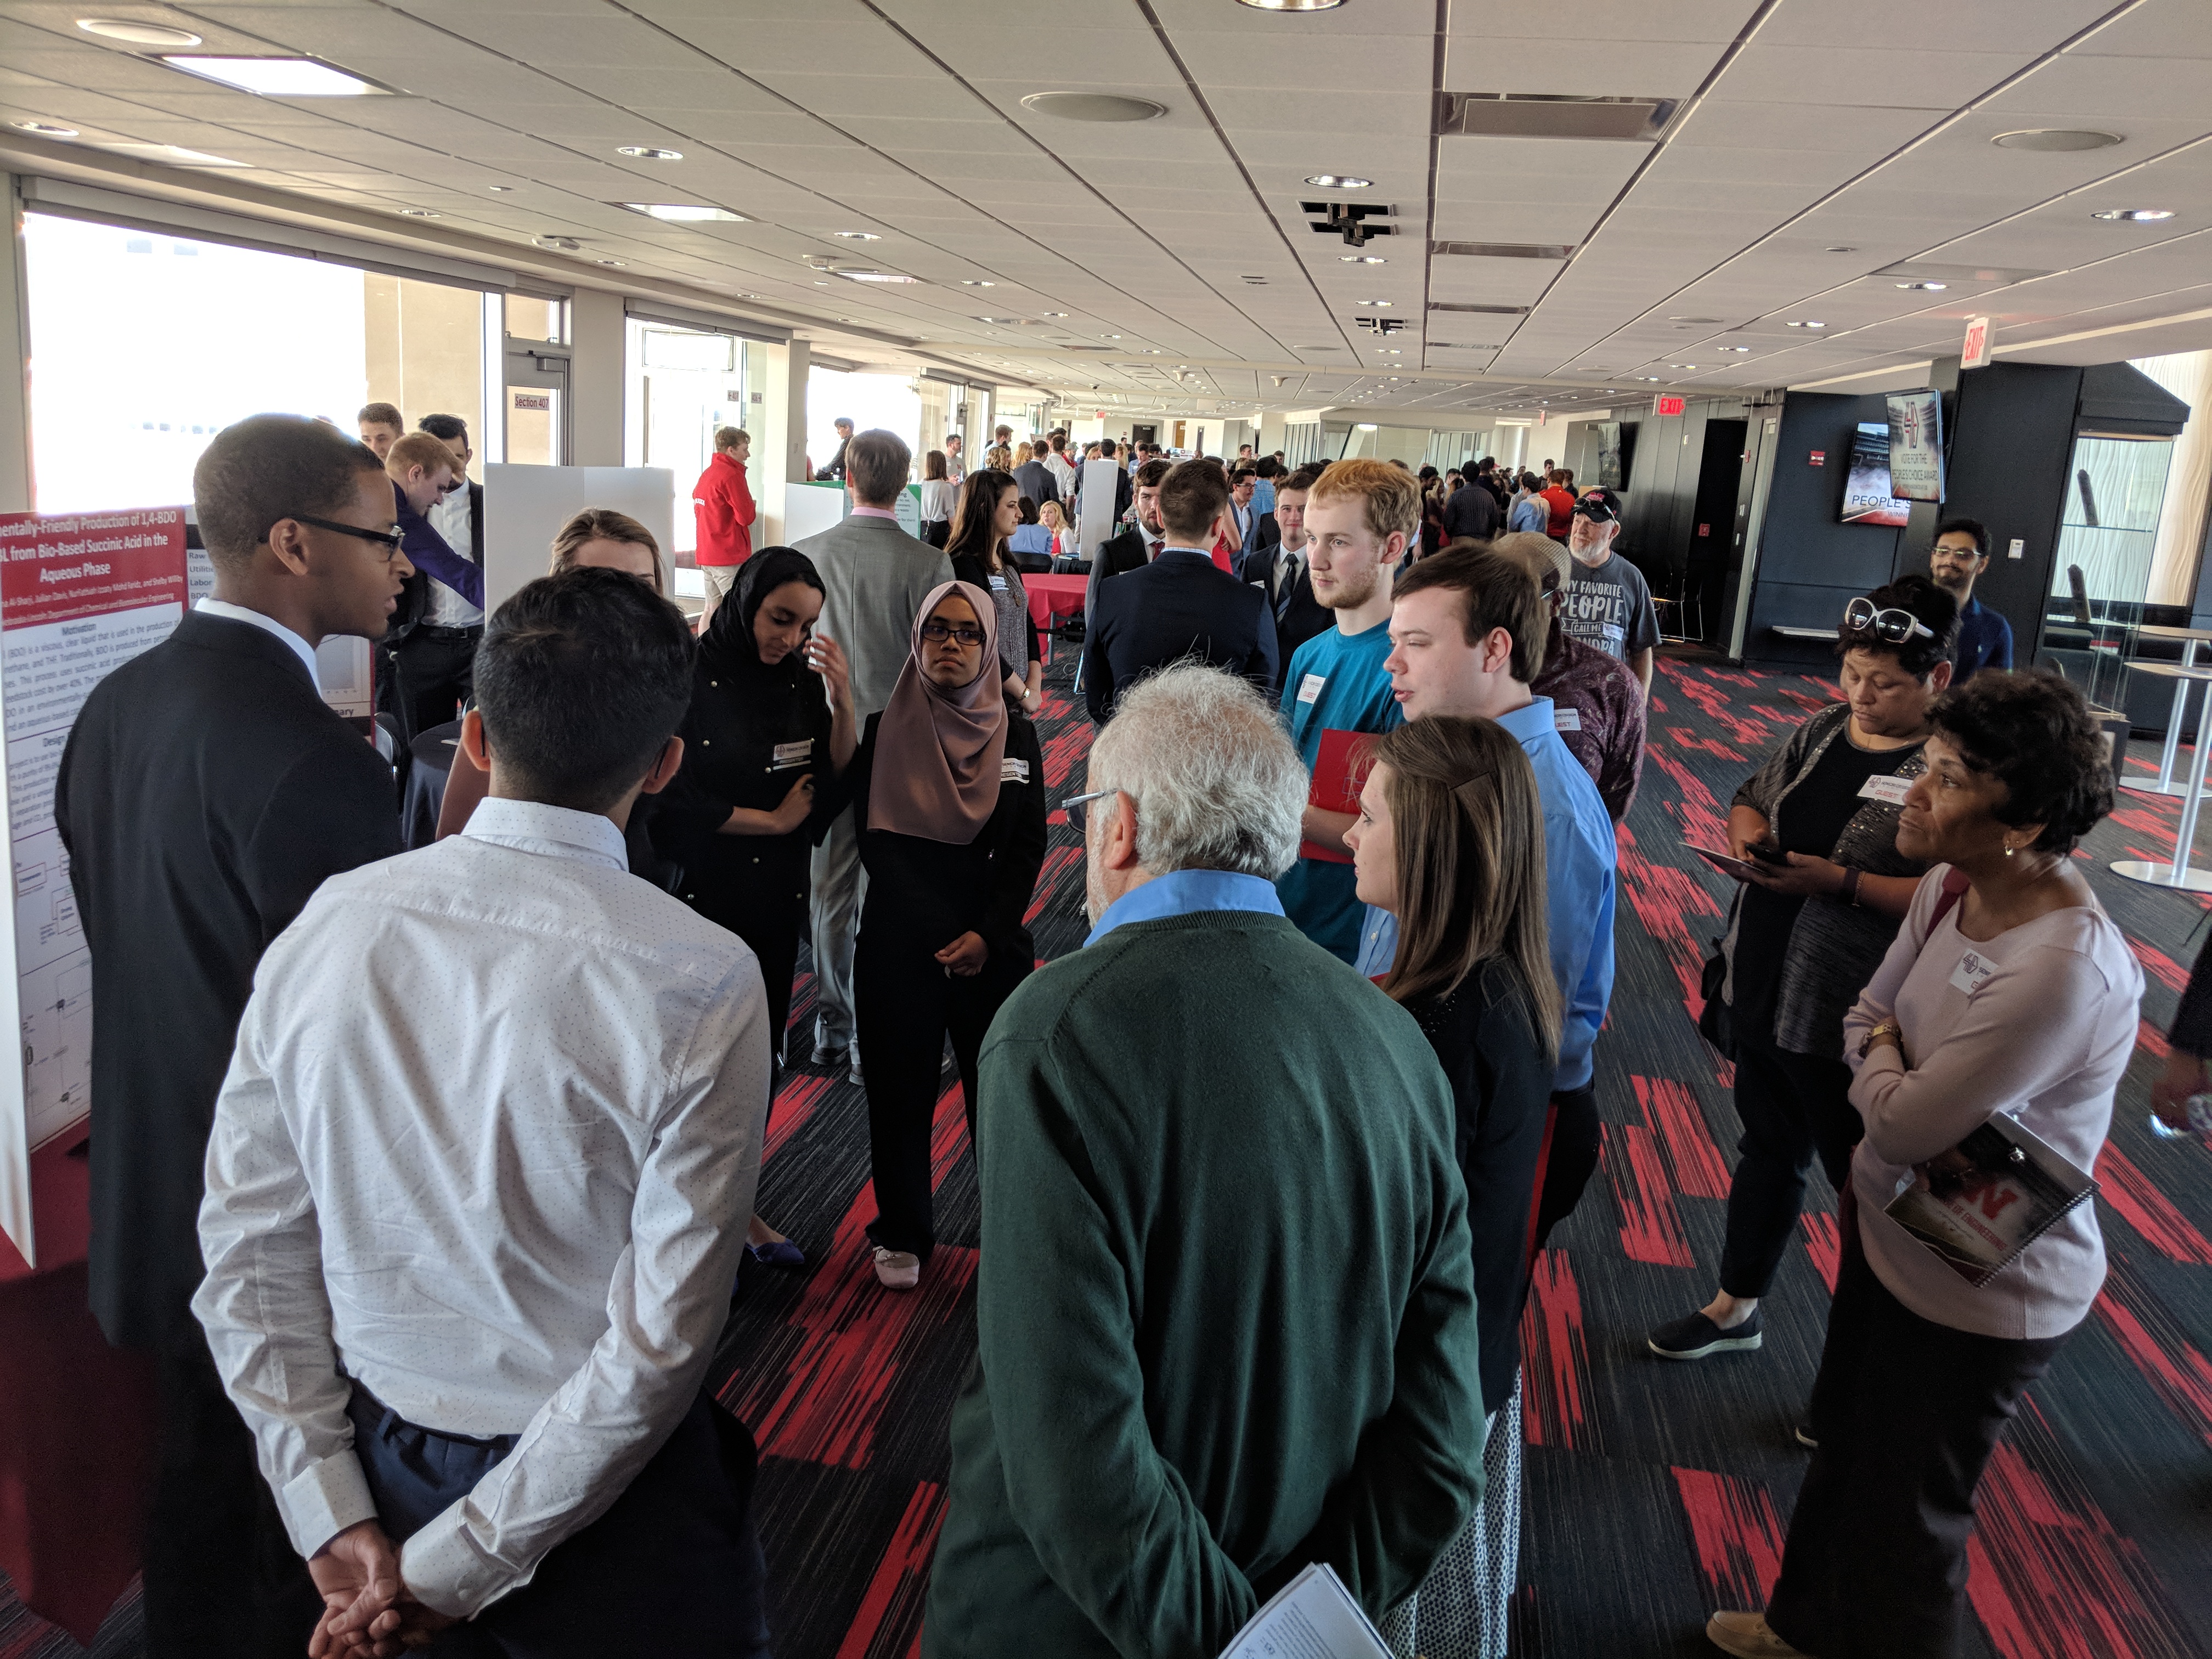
(1111, 1521)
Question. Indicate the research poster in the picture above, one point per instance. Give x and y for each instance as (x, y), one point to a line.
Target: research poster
(80, 595)
(1915, 446)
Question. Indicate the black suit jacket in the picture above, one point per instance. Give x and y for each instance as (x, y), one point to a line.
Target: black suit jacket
(1179, 605)
(1471, 511)
(206, 791)
(1305, 616)
(415, 593)
(1266, 533)
(1038, 482)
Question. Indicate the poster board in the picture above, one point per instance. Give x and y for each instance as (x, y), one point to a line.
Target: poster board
(1099, 497)
(525, 507)
(809, 509)
(80, 594)
(1915, 446)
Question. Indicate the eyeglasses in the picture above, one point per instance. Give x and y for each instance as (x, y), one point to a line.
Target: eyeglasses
(1077, 807)
(387, 539)
(1891, 624)
(937, 633)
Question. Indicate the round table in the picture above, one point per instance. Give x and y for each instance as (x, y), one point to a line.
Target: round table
(1054, 596)
(430, 760)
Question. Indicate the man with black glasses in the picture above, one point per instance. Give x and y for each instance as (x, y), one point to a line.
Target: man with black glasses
(206, 791)
(1961, 554)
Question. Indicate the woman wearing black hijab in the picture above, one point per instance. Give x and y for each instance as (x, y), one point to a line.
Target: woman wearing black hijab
(771, 713)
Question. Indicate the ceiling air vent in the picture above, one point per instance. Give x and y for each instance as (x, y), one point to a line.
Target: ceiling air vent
(1544, 115)
(1505, 250)
(1487, 311)
(1348, 219)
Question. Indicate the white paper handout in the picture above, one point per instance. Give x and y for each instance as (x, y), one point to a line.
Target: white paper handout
(1312, 1617)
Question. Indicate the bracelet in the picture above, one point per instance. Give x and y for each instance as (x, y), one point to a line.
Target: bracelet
(1851, 885)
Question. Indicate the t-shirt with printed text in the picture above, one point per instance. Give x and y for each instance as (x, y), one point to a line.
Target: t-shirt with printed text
(1610, 607)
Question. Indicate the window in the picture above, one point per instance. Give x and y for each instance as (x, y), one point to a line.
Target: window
(684, 384)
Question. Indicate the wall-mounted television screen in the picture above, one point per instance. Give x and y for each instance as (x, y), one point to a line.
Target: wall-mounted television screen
(1867, 499)
(1613, 454)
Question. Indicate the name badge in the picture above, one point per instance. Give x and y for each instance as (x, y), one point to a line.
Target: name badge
(1566, 719)
(998, 584)
(1013, 771)
(1974, 968)
(793, 754)
(1309, 688)
(1892, 791)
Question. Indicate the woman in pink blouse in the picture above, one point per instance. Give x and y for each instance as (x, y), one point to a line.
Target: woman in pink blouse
(2009, 991)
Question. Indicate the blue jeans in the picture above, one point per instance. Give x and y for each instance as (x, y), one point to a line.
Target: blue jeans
(672, 1569)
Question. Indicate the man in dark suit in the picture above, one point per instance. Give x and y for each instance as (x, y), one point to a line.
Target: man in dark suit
(1036, 482)
(427, 657)
(1181, 605)
(1284, 571)
(206, 791)
(1471, 511)
(1134, 547)
(1254, 529)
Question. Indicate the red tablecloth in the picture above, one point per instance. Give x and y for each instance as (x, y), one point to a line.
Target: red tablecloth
(1054, 596)
(77, 1417)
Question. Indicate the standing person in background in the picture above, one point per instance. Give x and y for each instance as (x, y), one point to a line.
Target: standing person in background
(1063, 535)
(381, 426)
(948, 789)
(1608, 604)
(1283, 571)
(1470, 513)
(1036, 479)
(836, 470)
(205, 793)
(470, 1245)
(874, 577)
(2008, 991)
(1468, 626)
(433, 663)
(1596, 703)
(1530, 512)
(999, 459)
(722, 505)
(430, 608)
(1450, 840)
(770, 728)
(939, 493)
(1558, 494)
(990, 508)
(1263, 491)
(1807, 933)
(955, 467)
(1056, 462)
(1360, 519)
(1961, 554)
(1185, 1388)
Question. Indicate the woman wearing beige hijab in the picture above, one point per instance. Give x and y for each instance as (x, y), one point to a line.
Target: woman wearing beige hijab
(948, 789)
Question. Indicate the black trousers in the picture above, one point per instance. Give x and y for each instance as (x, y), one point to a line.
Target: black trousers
(1793, 1106)
(434, 669)
(905, 1006)
(673, 1568)
(1570, 1161)
(1907, 1413)
(222, 1578)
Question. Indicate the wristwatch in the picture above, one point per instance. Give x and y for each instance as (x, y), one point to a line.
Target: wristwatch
(1887, 1028)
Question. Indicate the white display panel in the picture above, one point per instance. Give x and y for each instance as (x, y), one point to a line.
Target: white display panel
(525, 507)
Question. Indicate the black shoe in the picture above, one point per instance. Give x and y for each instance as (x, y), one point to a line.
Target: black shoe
(828, 1057)
(1695, 1337)
(1805, 1438)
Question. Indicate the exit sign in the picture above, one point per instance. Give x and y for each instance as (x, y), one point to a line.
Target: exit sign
(1666, 404)
(1975, 353)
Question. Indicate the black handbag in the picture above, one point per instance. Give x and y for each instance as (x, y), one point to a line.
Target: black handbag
(1716, 1024)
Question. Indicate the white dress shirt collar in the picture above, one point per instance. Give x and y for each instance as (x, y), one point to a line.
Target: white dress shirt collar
(531, 826)
(214, 607)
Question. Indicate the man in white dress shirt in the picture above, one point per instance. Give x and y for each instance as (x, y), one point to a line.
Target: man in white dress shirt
(478, 1180)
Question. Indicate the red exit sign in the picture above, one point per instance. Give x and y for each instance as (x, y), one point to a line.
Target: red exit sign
(1665, 403)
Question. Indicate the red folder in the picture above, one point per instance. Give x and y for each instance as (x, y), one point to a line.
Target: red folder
(1339, 775)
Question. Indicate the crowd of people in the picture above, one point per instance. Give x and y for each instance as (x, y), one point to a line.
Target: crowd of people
(426, 1174)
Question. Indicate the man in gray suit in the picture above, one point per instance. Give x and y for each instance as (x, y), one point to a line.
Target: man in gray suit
(874, 577)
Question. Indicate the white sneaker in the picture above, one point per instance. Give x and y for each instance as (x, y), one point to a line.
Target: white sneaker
(1746, 1636)
(897, 1270)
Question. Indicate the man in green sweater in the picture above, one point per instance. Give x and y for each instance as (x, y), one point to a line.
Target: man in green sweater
(1225, 1308)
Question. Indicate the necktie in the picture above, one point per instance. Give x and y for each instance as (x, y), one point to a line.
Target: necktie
(1286, 577)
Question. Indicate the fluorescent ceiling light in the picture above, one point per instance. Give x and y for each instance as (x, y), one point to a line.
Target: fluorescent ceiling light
(2135, 215)
(859, 235)
(276, 78)
(177, 153)
(679, 213)
(614, 261)
(1339, 181)
(139, 34)
(44, 129)
(2057, 139)
(419, 213)
(648, 153)
(1932, 288)
(1361, 259)
(1093, 106)
(877, 276)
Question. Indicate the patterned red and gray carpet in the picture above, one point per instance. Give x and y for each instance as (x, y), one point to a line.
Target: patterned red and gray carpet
(1656, 1492)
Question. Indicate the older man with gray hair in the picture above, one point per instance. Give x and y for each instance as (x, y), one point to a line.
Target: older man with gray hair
(1225, 1304)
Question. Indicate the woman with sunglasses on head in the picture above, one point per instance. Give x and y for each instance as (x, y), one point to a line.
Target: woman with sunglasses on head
(1818, 825)
(771, 717)
(948, 791)
(1450, 839)
(990, 511)
(2009, 993)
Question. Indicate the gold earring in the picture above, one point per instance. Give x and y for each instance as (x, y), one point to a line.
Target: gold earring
(2010, 849)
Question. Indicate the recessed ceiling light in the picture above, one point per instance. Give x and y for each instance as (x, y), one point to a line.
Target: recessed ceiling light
(44, 129)
(1840, 248)
(877, 276)
(502, 189)
(1804, 325)
(1339, 181)
(683, 213)
(1093, 106)
(1931, 288)
(848, 319)
(2055, 139)
(1109, 337)
(278, 77)
(648, 153)
(859, 235)
(1053, 313)
(975, 282)
(2135, 215)
(1693, 319)
(821, 281)
(1651, 380)
(1361, 259)
(139, 34)
(177, 153)
(1682, 364)
(419, 213)
(556, 242)
(1723, 348)
(617, 262)
(1374, 302)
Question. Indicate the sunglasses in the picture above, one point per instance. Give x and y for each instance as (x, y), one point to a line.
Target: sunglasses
(937, 633)
(389, 540)
(1891, 625)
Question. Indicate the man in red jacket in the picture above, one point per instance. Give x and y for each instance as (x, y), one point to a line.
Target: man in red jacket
(724, 504)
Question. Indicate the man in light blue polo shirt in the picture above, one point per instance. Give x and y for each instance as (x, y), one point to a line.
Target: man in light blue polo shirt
(1468, 631)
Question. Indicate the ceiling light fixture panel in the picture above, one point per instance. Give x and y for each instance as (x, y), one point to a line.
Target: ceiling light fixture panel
(137, 34)
(1093, 106)
(648, 153)
(677, 213)
(2057, 139)
(45, 129)
(2135, 215)
(276, 78)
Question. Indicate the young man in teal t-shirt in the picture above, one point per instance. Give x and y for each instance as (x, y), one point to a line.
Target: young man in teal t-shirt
(1360, 518)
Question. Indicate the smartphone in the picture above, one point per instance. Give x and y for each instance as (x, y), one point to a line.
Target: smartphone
(1767, 852)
